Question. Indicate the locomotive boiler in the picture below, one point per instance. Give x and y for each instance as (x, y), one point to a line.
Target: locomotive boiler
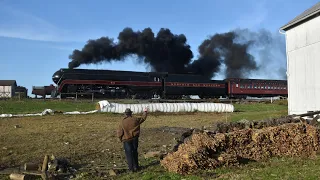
(128, 84)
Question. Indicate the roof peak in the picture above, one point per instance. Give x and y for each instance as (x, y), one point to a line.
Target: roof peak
(309, 13)
(7, 82)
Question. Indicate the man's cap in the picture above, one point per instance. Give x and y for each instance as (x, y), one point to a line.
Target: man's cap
(128, 110)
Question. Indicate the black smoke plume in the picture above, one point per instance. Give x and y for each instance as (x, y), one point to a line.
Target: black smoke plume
(167, 52)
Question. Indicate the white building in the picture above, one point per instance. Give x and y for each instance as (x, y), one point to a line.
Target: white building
(303, 61)
(7, 88)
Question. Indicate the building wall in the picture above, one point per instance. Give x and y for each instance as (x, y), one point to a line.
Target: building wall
(13, 91)
(6, 91)
(303, 53)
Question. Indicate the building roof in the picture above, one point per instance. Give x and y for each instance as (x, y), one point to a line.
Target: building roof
(8, 82)
(307, 14)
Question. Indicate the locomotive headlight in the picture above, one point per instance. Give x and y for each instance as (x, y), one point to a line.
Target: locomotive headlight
(56, 76)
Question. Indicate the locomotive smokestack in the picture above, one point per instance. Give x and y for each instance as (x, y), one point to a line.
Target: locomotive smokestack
(171, 53)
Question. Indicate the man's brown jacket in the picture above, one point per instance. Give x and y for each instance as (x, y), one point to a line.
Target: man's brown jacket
(129, 127)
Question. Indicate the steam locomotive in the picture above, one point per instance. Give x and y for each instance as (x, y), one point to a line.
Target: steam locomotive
(145, 85)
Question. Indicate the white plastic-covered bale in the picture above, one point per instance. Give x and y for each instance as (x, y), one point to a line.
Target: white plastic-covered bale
(46, 112)
(105, 106)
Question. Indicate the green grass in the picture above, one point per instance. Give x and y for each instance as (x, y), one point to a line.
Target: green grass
(274, 168)
(36, 106)
(92, 133)
(257, 111)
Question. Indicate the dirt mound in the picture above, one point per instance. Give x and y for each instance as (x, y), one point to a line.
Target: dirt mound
(208, 151)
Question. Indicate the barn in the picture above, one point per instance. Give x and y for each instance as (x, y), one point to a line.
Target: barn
(303, 61)
(7, 88)
(21, 92)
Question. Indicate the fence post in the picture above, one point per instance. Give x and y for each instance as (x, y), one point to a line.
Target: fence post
(92, 97)
(76, 96)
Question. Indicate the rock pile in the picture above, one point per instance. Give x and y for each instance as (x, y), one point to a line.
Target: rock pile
(225, 127)
(258, 124)
(207, 150)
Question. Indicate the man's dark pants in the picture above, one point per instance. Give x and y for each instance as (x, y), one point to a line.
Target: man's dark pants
(131, 150)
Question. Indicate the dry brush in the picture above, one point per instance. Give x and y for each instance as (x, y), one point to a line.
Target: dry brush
(209, 150)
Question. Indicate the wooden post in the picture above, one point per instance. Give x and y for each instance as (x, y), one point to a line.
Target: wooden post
(16, 176)
(92, 97)
(306, 114)
(76, 96)
(45, 167)
(45, 163)
(22, 176)
(31, 167)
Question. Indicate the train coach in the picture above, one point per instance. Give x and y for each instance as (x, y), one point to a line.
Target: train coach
(146, 85)
(242, 88)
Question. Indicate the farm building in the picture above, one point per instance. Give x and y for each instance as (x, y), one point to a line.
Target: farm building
(303, 61)
(7, 88)
(21, 92)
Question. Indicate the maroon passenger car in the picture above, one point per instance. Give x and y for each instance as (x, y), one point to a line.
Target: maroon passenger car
(241, 88)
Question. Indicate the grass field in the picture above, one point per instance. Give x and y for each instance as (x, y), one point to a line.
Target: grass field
(89, 140)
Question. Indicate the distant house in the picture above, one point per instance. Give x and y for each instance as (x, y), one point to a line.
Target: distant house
(303, 61)
(7, 88)
(21, 92)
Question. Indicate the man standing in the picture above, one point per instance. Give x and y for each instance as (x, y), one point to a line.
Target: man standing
(128, 133)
